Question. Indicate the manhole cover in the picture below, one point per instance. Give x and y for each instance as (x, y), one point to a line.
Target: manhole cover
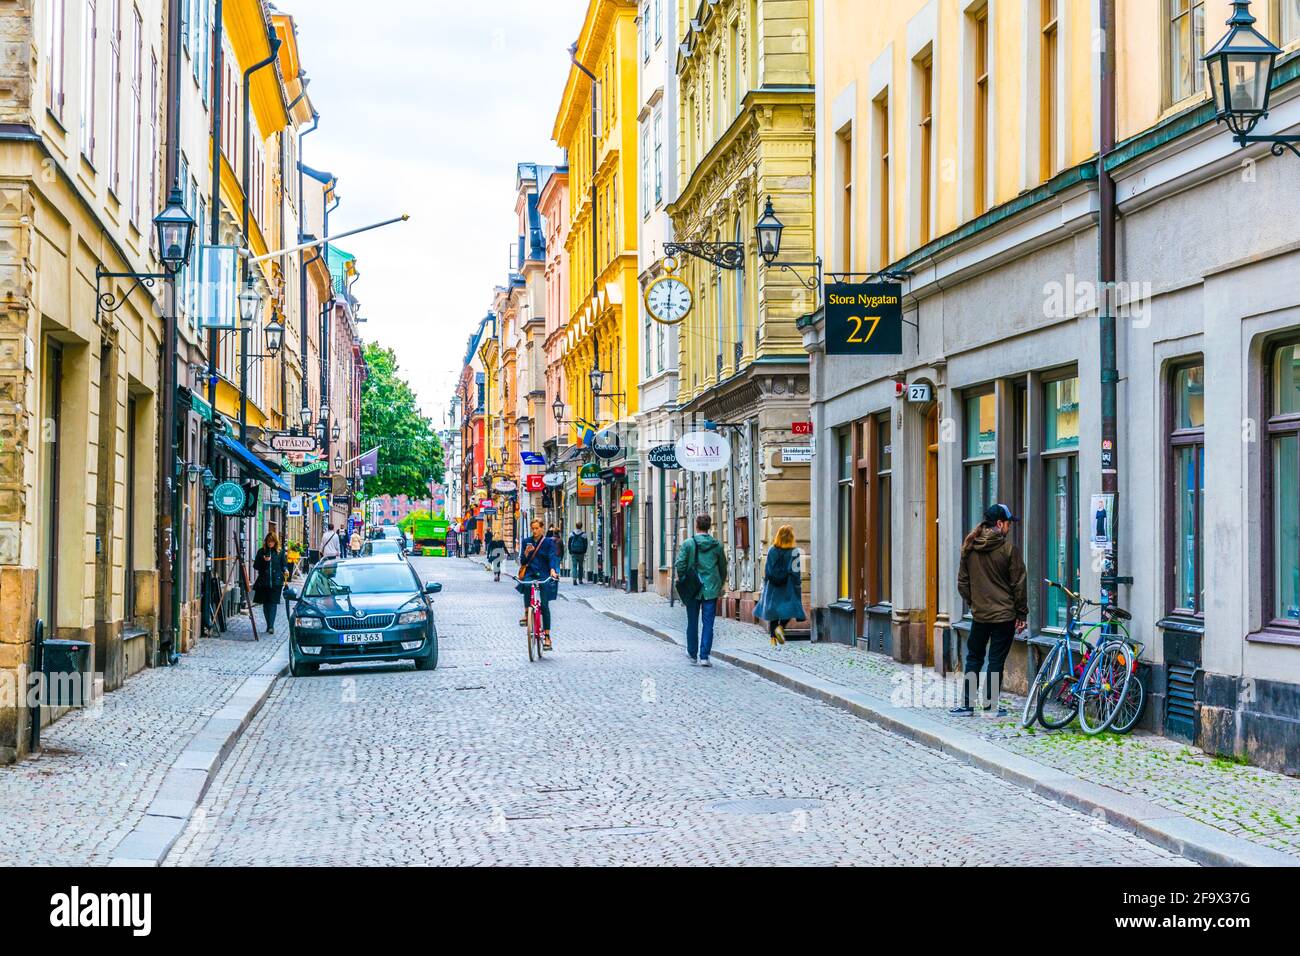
(756, 805)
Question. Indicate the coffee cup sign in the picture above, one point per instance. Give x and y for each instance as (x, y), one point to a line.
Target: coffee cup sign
(703, 451)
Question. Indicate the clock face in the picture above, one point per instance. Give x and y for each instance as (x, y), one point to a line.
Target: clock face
(668, 300)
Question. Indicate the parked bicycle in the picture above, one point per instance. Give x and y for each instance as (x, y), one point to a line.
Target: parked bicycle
(1102, 688)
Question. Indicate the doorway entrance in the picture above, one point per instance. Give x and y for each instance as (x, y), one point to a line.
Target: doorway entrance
(931, 531)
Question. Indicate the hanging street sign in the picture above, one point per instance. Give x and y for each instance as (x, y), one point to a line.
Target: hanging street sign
(626, 497)
(534, 483)
(532, 458)
(293, 442)
(589, 475)
(703, 451)
(290, 468)
(864, 318)
(664, 456)
(228, 497)
(295, 507)
(553, 479)
(505, 484)
(605, 444)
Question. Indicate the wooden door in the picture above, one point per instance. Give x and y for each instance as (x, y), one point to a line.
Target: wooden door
(931, 530)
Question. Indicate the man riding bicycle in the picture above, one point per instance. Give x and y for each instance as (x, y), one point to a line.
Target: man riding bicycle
(539, 563)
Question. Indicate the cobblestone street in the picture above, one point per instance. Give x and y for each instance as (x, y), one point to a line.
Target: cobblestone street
(612, 750)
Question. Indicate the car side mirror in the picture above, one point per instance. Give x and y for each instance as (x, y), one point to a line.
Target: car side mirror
(290, 594)
(433, 587)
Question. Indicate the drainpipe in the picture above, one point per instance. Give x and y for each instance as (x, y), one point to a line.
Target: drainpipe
(209, 522)
(595, 270)
(1110, 579)
(244, 275)
(169, 604)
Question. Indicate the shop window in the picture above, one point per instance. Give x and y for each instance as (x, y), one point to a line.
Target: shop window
(980, 456)
(881, 509)
(1284, 485)
(1187, 471)
(1061, 488)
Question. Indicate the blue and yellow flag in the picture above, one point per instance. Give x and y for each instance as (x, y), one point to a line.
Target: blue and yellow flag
(320, 502)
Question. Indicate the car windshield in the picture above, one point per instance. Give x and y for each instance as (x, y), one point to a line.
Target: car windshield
(381, 547)
(343, 578)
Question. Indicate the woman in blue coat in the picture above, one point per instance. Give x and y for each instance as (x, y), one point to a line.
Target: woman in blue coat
(782, 598)
(539, 560)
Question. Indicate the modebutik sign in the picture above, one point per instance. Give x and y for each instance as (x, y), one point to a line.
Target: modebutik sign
(703, 451)
(864, 318)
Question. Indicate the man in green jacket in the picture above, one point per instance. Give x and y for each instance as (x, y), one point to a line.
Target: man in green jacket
(703, 555)
(991, 579)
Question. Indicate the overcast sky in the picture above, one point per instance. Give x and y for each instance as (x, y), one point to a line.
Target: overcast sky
(426, 106)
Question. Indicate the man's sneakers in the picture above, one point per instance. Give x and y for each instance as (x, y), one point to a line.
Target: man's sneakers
(962, 711)
(706, 663)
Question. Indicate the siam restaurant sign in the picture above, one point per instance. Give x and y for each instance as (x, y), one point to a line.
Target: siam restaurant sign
(703, 451)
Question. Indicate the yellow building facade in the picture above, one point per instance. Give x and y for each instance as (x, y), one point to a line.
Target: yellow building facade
(745, 76)
(596, 126)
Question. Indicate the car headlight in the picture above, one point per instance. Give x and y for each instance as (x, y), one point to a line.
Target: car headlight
(309, 622)
(412, 617)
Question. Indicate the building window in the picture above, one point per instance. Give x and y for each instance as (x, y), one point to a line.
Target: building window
(1187, 464)
(88, 43)
(54, 68)
(137, 110)
(114, 90)
(981, 117)
(659, 20)
(648, 323)
(844, 192)
(1286, 16)
(1284, 485)
(844, 437)
(645, 172)
(645, 32)
(1061, 487)
(883, 198)
(736, 79)
(980, 459)
(659, 161)
(882, 510)
(738, 294)
(1021, 491)
(926, 152)
(1186, 39)
(1050, 90)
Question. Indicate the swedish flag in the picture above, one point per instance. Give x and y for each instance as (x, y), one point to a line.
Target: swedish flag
(320, 502)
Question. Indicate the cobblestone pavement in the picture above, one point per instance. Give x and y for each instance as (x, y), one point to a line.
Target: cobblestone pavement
(612, 750)
(98, 768)
(1245, 801)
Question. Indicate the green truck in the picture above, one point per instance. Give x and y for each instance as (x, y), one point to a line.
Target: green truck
(429, 537)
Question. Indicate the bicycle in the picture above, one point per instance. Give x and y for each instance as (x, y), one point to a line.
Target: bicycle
(1110, 696)
(536, 636)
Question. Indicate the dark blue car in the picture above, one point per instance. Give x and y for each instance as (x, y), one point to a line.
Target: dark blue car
(365, 609)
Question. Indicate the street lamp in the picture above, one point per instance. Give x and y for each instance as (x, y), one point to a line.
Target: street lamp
(597, 380)
(306, 420)
(338, 461)
(250, 304)
(557, 408)
(334, 432)
(274, 331)
(1240, 71)
(175, 229)
(768, 229)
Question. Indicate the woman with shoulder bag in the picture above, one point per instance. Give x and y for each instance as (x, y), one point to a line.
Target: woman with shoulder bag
(539, 563)
(782, 598)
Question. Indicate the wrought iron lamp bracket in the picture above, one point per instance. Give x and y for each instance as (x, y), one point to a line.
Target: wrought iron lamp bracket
(1277, 144)
(108, 301)
(724, 255)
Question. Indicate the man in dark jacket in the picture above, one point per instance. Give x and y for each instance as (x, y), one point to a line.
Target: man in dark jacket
(578, 551)
(701, 556)
(991, 579)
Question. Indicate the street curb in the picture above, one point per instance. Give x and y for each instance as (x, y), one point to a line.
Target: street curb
(192, 772)
(1165, 828)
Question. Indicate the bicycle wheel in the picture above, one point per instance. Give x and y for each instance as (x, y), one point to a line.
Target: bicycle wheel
(1130, 708)
(528, 631)
(1103, 686)
(1056, 704)
(1047, 672)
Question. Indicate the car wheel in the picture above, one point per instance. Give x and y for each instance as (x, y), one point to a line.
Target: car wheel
(301, 668)
(429, 662)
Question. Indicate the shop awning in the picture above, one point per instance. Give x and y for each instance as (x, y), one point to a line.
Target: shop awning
(253, 466)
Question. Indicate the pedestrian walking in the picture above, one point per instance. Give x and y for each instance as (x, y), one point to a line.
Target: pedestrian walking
(268, 583)
(354, 543)
(496, 553)
(991, 579)
(578, 551)
(701, 571)
(782, 597)
(554, 534)
(331, 545)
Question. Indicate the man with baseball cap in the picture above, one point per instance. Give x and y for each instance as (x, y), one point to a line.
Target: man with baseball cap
(991, 579)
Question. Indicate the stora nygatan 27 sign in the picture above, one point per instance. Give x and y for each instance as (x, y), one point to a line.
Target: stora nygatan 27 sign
(864, 318)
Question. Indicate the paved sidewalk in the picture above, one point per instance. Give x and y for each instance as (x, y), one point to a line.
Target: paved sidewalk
(99, 769)
(1239, 800)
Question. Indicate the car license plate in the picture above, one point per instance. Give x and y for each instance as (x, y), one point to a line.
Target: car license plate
(362, 638)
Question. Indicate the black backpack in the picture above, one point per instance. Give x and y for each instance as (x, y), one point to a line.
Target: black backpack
(689, 584)
(577, 543)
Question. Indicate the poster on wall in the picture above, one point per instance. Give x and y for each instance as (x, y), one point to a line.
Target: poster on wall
(1103, 520)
